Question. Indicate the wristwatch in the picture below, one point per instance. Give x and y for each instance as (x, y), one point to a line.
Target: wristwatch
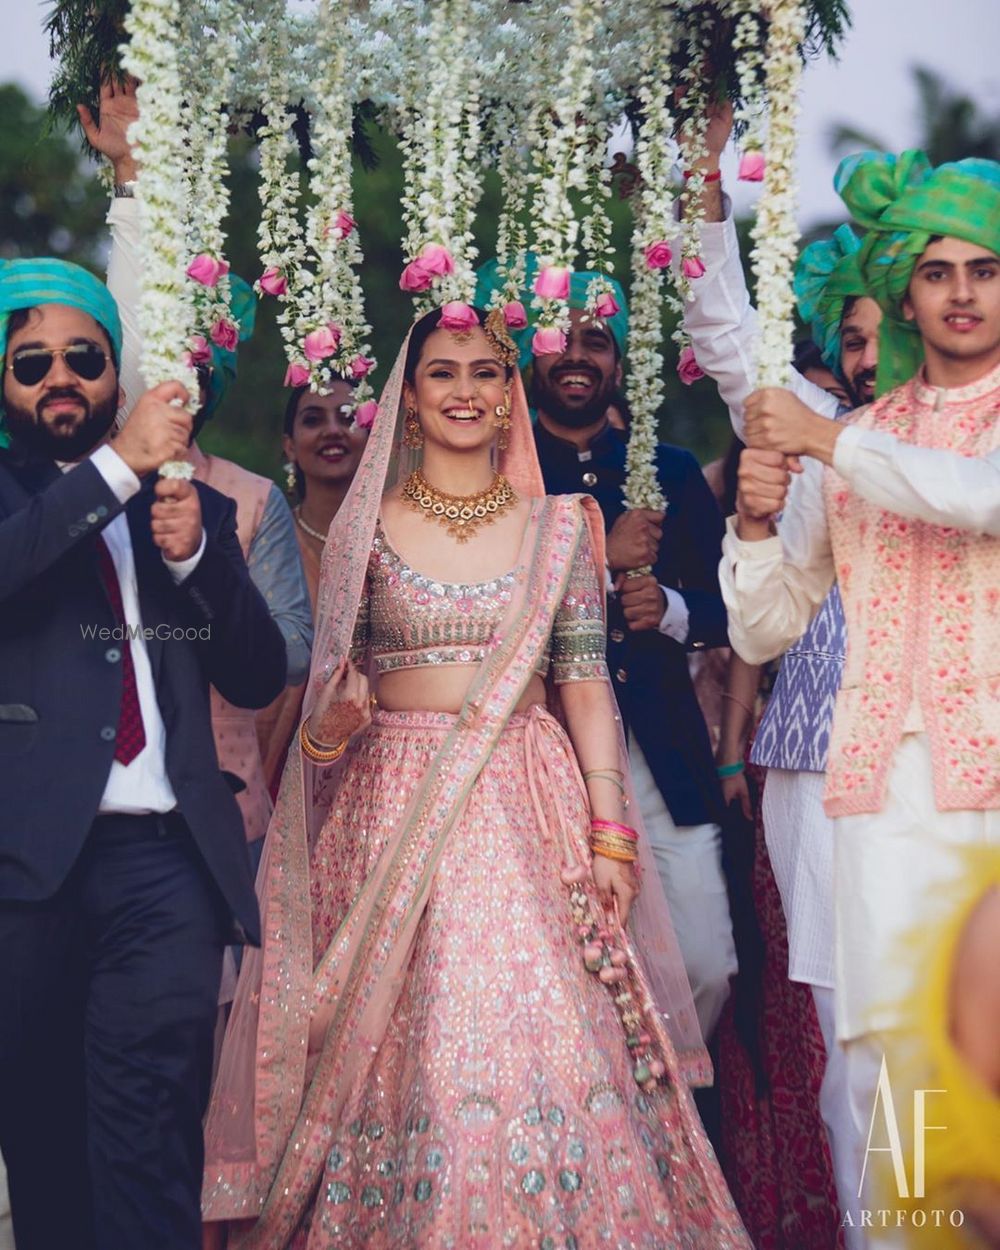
(124, 190)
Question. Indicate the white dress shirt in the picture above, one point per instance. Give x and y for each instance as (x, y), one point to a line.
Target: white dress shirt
(142, 785)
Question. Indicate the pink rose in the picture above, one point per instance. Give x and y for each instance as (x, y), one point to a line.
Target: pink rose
(272, 281)
(365, 414)
(225, 335)
(345, 223)
(752, 167)
(206, 269)
(360, 366)
(200, 353)
(688, 369)
(415, 277)
(436, 260)
(458, 317)
(514, 315)
(659, 255)
(606, 306)
(297, 375)
(549, 341)
(692, 267)
(552, 283)
(319, 344)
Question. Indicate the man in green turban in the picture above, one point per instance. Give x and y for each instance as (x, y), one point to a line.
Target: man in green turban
(900, 507)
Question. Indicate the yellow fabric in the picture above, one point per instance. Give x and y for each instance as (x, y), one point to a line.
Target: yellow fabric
(968, 1151)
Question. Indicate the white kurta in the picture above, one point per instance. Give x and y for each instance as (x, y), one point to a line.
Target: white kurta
(887, 865)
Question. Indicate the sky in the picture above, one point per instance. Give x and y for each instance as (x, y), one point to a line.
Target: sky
(869, 87)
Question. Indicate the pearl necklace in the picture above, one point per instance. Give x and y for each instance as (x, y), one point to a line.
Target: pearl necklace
(317, 534)
(461, 515)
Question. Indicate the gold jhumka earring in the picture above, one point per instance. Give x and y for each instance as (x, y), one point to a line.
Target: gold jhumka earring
(413, 435)
(290, 476)
(502, 414)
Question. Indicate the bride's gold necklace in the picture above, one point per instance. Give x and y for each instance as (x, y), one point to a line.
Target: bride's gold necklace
(461, 515)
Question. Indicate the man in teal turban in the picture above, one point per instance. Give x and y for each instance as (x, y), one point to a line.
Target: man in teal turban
(842, 318)
(905, 205)
(489, 280)
(27, 284)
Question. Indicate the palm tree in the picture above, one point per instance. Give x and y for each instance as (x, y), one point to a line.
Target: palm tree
(952, 125)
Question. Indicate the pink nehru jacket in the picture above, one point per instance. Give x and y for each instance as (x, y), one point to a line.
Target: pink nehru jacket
(235, 728)
(922, 604)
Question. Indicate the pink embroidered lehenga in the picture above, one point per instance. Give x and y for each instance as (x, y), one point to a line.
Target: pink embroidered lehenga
(474, 1085)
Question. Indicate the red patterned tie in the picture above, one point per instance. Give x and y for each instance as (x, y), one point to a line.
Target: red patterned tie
(131, 731)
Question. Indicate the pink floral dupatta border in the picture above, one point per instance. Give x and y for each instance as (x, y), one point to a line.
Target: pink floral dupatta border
(265, 1153)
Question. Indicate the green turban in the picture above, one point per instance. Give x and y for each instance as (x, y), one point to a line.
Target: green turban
(243, 308)
(827, 274)
(904, 203)
(43, 280)
(489, 280)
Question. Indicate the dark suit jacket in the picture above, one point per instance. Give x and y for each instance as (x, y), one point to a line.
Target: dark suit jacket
(60, 690)
(650, 671)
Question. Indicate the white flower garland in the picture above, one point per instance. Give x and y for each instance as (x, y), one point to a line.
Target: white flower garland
(562, 164)
(333, 301)
(212, 50)
(166, 310)
(775, 231)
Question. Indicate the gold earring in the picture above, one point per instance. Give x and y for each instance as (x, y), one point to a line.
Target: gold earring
(502, 414)
(290, 476)
(413, 435)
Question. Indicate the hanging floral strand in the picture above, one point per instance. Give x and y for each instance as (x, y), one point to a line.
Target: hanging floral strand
(775, 232)
(512, 230)
(654, 225)
(331, 321)
(213, 36)
(166, 309)
(562, 165)
(441, 175)
(279, 236)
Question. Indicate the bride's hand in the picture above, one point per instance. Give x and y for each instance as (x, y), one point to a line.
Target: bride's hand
(616, 883)
(343, 709)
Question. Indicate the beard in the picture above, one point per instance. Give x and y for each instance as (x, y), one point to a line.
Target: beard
(63, 437)
(547, 399)
(858, 387)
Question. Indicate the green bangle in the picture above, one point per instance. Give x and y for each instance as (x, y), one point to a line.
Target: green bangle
(730, 770)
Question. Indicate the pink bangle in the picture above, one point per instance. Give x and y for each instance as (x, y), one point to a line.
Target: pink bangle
(612, 826)
(716, 177)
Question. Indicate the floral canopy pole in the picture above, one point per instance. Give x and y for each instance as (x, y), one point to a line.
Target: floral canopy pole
(530, 88)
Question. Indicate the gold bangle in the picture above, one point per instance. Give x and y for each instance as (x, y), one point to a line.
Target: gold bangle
(621, 857)
(318, 753)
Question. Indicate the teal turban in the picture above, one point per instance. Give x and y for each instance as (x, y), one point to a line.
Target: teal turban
(904, 203)
(489, 280)
(827, 274)
(243, 308)
(43, 280)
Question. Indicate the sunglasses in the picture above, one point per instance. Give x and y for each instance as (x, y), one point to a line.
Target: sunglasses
(86, 360)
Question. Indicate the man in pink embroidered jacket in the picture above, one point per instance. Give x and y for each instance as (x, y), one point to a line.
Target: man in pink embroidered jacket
(900, 506)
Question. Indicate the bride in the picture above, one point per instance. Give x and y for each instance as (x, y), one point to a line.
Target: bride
(447, 1039)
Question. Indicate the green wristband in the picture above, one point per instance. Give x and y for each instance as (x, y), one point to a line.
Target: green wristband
(730, 770)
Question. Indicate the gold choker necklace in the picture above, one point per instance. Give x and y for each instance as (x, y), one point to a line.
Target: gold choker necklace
(461, 515)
